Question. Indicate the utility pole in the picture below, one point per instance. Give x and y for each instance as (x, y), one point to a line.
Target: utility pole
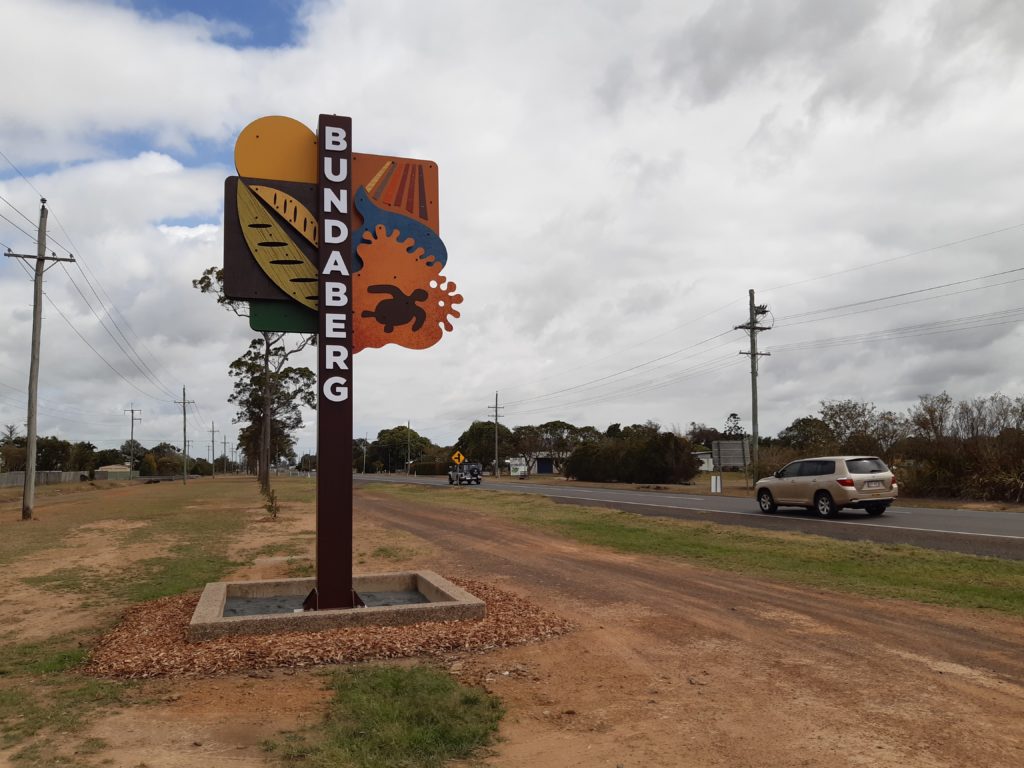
(365, 436)
(184, 435)
(213, 451)
(131, 441)
(225, 454)
(29, 495)
(497, 467)
(757, 311)
(408, 446)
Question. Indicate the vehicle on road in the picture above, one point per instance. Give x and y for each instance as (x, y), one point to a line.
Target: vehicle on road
(827, 484)
(468, 473)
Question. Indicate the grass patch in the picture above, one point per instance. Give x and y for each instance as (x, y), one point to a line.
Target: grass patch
(876, 570)
(299, 568)
(294, 489)
(395, 717)
(44, 703)
(278, 548)
(56, 706)
(392, 553)
(45, 657)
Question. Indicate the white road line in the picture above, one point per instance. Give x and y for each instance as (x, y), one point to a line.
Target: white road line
(755, 514)
(809, 519)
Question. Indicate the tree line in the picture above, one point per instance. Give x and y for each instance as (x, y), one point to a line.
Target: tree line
(635, 453)
(56, 454)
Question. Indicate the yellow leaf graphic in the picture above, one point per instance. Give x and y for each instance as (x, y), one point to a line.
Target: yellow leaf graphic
(291, 210)
(274, 250)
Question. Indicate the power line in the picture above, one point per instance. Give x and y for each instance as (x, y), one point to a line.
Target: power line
(970, 322)
(920, 252)
(110, 311)
(618, 373)
(101, 357)
(143, 369)
(898, 258)
(48, 411)
(83, 266)
(25, 232)
(707, 366)
(909, 293)
(18, 171)
(16, 210)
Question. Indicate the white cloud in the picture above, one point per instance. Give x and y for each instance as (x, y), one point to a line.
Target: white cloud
(613, 179)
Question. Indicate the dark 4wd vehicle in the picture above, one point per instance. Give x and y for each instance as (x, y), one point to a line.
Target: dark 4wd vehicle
(468, 473)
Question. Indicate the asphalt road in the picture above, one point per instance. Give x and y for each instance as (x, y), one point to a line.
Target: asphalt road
(998, 534)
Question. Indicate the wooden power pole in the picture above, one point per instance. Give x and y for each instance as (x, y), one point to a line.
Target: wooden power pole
(752, 327)
(184, 402)
(29, 495)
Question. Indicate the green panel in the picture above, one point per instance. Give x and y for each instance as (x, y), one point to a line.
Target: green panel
(281, 316)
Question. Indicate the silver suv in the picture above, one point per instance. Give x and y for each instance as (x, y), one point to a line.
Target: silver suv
(828, 484)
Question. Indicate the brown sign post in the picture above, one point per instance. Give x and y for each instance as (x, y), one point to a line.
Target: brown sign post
(334, 355)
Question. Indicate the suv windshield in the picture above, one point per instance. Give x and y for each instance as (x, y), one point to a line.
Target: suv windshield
(865, 466)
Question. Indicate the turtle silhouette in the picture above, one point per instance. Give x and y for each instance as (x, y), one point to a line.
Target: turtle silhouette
(399, 309)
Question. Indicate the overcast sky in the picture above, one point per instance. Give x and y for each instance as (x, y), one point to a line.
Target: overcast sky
(614, 177)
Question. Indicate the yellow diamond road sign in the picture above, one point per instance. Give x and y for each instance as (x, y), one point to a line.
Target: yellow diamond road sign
(458, 458)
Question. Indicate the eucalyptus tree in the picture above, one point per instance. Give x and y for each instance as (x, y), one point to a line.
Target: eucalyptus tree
(264, 363)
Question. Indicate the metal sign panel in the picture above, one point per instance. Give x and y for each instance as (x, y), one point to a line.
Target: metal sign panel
(281, 317)
(458, 458)
(730, 454)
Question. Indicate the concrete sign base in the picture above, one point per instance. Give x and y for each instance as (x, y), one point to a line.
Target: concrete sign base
(410, 597)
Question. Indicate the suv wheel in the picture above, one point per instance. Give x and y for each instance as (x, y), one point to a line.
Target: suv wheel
(766, 502)
(824, 504)
(874, 510)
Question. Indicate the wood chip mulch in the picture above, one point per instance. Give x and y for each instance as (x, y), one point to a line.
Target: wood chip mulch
(151, 639)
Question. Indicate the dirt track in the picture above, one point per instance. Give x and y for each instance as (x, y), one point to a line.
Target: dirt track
(679, 666)
(672, 664)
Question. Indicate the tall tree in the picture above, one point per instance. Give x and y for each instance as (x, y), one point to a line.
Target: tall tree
(130, 448)
(12, 450)
(268, 394)
(108, 457)
(560, 439)
(52, 454)
(477, 442)
(733, 428)
(528, 443)
(851, 423)
(393, 446)
(275, 353)
(932, 416)
(83, 457)
(702, 434)
(807, 435)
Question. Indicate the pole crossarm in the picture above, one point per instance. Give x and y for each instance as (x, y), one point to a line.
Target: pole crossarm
(53, 257)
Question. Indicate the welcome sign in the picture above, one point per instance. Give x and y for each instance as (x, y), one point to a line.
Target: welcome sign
(320, 239)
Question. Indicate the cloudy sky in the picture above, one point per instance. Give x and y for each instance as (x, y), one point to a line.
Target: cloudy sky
(614, 178)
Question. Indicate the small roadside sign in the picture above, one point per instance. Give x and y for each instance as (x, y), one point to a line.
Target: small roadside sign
(458, 458)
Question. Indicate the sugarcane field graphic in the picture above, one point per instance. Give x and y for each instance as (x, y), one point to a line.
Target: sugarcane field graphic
(399, 295)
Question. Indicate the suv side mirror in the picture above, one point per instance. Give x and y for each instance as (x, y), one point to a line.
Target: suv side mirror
(777, 473)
